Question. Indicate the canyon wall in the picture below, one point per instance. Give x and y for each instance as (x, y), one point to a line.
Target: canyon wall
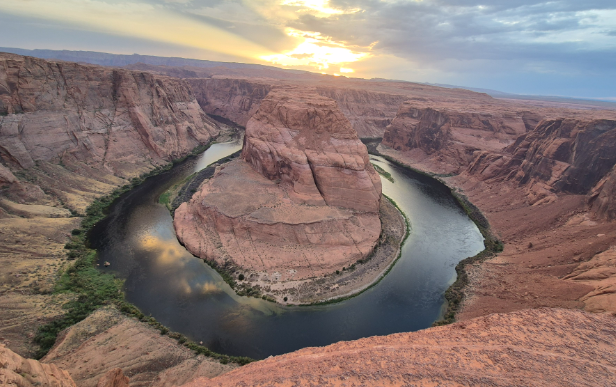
(369, 112)
(234, 99)
(92, 122)
(238, 99)
(559, 156)
(302, 202)
(448, 134)
(547, 191)
(70, 133)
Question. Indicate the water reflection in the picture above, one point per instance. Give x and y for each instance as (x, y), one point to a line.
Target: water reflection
(185, 294)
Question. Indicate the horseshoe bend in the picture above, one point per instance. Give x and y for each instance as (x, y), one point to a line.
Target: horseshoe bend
(298, 217)
(301, 203)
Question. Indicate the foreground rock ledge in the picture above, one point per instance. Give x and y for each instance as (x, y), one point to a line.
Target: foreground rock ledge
(303, 202)
(544, 347)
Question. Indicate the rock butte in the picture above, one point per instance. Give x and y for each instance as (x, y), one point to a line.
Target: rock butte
(302, 202)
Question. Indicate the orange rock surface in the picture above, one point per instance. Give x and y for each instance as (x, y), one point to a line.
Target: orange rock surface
(304, 203)
(15, 371)
(545, 347)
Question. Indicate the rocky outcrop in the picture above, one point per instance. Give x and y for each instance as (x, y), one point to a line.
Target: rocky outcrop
(15, 371)
(107, 347)
(546, 347)
(304, 141)
(602, 198)
(238, 99)
(559, 156)
(302, 202)
(113, 378)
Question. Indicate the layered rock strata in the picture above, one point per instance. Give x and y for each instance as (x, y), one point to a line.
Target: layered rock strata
(238, 99)
(106, 118)
(546, 347)
(549, 196)
(434, 134)
(302, 202)
(558, 156)
(70, 133)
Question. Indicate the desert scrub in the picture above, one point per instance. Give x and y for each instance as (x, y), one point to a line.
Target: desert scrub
(455, 294)
(94, 288)
(383, 172)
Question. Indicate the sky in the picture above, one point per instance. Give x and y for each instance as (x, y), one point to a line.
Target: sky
(564, 48)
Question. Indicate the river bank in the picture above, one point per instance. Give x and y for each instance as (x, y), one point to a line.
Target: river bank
(456, 293)
(90, 288)
(335, 287)
(545, 249)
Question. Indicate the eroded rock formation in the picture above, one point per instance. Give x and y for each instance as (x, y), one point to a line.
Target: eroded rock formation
(15, 371)
(546, 347)
(302, 202)
(238, 99)
(448, 135)
(233, 99)
(94, 351)
(558, 156)
(70, 133)
(109, 118)
(307, 143)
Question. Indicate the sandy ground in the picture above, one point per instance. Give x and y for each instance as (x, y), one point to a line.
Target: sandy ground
(31, 255)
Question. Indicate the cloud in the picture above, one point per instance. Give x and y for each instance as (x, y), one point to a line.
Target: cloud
(567, 34)
(505, 42)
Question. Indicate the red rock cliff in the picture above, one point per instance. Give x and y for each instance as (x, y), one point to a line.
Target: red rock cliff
(559, 156)
(107, 118)
(309, 144)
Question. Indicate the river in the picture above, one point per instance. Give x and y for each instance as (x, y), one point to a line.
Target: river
(186, 295)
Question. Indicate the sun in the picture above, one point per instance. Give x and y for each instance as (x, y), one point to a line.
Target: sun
(317, 51)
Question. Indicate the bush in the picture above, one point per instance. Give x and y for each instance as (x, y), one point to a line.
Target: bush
(240, 277)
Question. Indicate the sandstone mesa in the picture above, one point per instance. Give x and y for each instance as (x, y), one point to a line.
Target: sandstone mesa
(302, 202)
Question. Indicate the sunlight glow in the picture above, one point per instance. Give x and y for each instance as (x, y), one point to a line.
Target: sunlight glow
(321, 6)
(316, 51)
